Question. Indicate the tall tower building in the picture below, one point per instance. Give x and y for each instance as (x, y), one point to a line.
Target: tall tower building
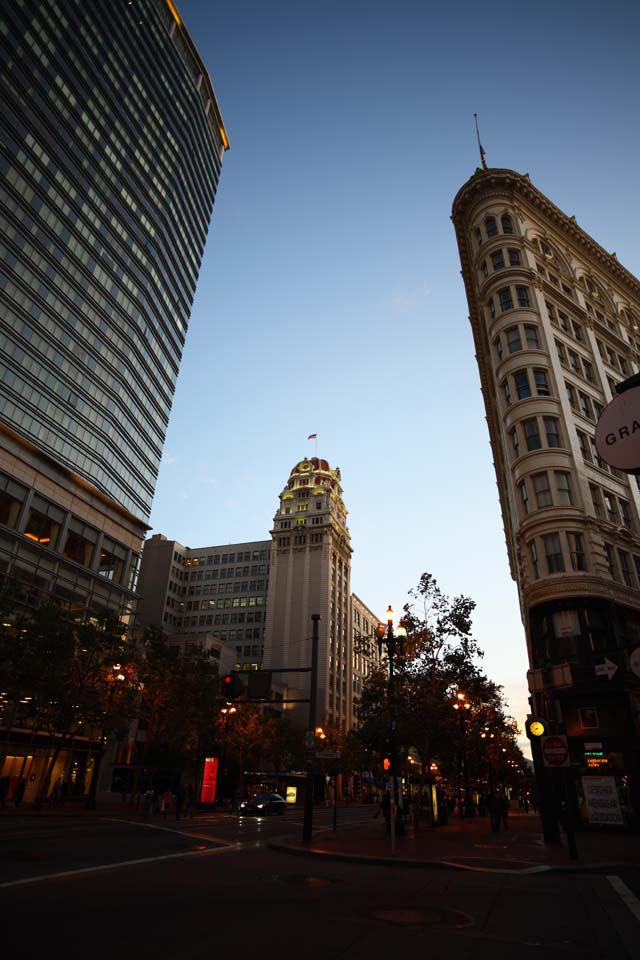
(310, 573)
(555, 320)
(112, 143)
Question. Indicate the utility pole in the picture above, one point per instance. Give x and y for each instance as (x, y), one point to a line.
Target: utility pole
(307, 824)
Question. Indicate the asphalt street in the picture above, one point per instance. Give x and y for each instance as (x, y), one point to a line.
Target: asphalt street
(118, 887)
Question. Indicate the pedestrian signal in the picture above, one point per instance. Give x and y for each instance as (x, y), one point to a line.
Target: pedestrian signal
(386, 763)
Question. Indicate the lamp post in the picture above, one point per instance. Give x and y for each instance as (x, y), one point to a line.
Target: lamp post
(226, 713)
(392, 640)
(461, 704)
(116, 678)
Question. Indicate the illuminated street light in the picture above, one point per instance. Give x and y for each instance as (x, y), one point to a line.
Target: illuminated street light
(392, 640)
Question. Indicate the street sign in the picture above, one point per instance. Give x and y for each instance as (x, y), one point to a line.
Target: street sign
(618, 431)
(634, 661)
(327, 755)
(555, 751)
(608, 668)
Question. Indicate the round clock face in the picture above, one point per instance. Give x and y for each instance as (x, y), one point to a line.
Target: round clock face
(536, 728)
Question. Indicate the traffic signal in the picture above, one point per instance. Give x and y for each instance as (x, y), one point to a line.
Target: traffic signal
(386, 763)
(231, 686)
(536, 727)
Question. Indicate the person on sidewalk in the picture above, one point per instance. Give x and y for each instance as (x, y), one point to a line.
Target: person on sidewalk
(493, 806)
(385, 810)
(504, 812)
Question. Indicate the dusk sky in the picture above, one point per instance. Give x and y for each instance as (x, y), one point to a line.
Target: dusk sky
(330, 299)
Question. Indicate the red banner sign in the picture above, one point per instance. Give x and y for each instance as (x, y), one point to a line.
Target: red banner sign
(209, 780)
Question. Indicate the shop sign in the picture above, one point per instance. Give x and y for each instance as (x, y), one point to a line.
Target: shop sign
(601, 798)
(618, 431)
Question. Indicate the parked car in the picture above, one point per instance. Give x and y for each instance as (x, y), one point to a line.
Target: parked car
(263, 804)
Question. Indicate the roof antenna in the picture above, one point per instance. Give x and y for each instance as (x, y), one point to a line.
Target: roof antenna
(483, 156)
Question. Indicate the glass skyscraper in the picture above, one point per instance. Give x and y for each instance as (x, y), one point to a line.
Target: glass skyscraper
(112, 143)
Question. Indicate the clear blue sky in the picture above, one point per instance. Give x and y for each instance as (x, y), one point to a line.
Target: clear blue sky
(330, 299)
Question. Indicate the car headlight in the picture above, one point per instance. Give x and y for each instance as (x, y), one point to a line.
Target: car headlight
(260, 806)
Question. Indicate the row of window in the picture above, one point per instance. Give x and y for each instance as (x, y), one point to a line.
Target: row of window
(491, 228)
(507, 296)
(46, 524)
(228, 572)
(541, 487)
(566, 552)
(608, 506)
(575, 362)
(530, 431)
(560, 553)
(521, 383)
(254, 650)
(551, 277)
(513, 338)
(614, 359)
(567, 324)
(499, 262)
(583, 404)
(222, 558)
(590, 454)
(300, 539)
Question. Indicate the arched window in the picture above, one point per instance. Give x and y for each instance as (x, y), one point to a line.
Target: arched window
(491, 226)
(507, 223)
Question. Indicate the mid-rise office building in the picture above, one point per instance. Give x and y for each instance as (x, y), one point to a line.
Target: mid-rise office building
(213, 597)
(112, 148)
(112, 144)
(555, 320)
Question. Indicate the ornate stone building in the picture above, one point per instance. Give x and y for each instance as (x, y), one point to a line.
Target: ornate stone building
(555, 324)
(310, 573)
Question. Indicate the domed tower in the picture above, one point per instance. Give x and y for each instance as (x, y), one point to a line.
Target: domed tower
(310, 573)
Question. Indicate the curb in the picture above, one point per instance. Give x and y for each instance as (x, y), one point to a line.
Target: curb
(283, 847)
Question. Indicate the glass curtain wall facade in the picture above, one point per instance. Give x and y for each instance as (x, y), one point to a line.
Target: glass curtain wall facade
(110, 164)
(112, 148)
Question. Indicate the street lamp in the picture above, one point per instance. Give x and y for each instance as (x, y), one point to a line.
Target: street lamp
(116, 677)
(461, 704)
(386, 636)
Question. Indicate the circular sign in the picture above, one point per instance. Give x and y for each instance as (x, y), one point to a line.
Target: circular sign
(618, 431)
(555, 751)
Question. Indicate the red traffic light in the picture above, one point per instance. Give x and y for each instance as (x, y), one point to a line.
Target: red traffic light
(231, 686)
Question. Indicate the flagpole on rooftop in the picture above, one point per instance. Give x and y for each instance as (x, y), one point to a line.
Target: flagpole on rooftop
(483, 158)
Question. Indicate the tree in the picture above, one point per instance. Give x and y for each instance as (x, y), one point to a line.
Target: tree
(59, 676)
(438, 658)
(178, 703)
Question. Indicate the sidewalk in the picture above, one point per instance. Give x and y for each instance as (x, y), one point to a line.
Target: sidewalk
(470, 845)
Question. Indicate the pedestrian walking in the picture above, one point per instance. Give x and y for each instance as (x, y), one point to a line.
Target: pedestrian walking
(166, 802)
(504, 812)
(148, 800)
(385, 809)
(493, 806)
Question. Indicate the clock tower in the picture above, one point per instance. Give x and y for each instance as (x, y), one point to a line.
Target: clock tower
(310, 573)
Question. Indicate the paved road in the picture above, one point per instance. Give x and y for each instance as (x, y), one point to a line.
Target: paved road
(210, 884)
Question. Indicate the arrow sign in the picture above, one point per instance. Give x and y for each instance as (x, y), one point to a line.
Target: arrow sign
(608, 668)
